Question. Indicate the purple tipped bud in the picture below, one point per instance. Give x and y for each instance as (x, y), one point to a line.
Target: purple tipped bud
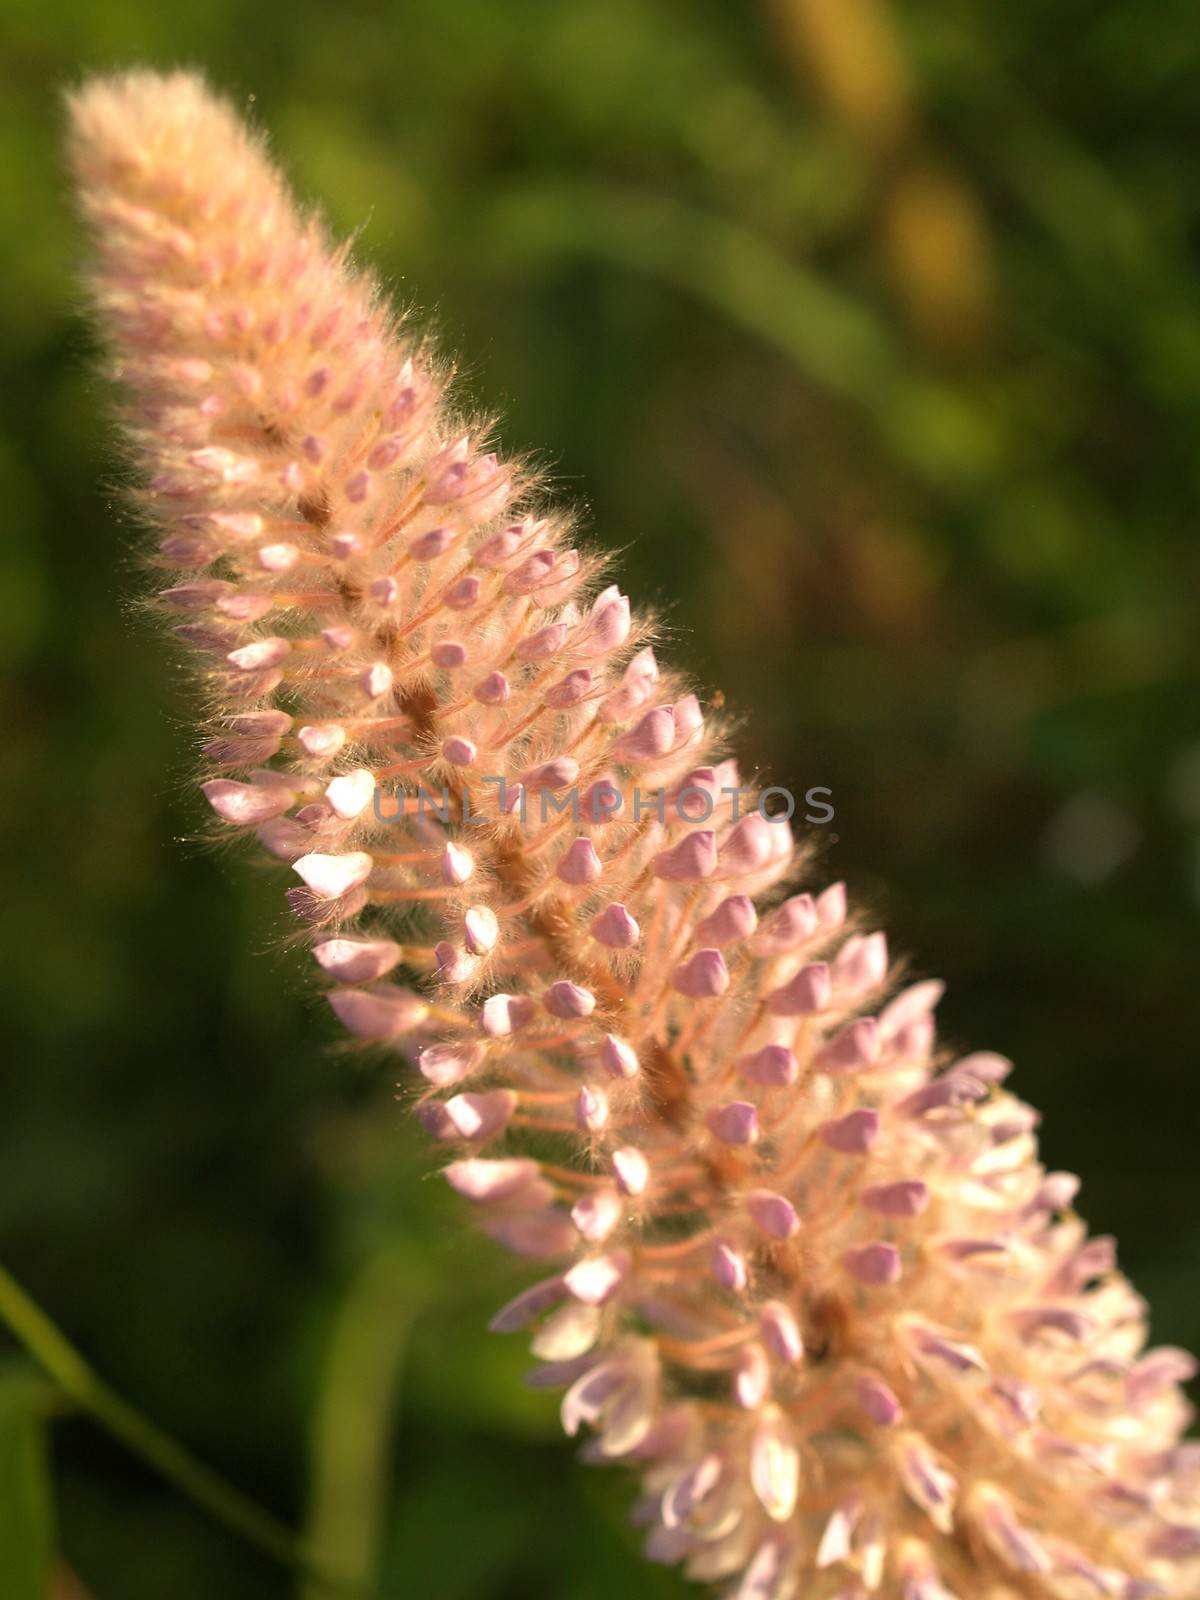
(853, 1134)
(735, 1124)
(332, 876)
(703, 977)
(729, 1268)
(618, 1058)
(862, 963)
(568, 1000)
(444, 1064)
(874, 1264)
(560, 773)
(570, 690)
(579, 863)
(632, 1171)
(774, 1066)
(482, 930)
(591, 1108)
(247, 803)
(808, 993)
(653, 736)
(878, 1401)
(751, 1378)
(357, 960)
(487, 1181)
(473, 1117)
(459, 752)
(854, 1048)
(377, 680)
(734, 919)
(693, 858)
(448, 653)
(456, 865)
(322, 739)
(780, 1332)
(595, 1215)
(350, 794)
(378, 1014)
(494, 690)
(773, 1213)
(907, 1197)
(615, 928)
(428, 546)
(598, 1278)
(505, 1014)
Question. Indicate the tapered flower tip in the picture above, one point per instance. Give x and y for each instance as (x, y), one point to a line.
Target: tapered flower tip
(874, 1264)
(616, 928)
(773, 1213)
(247, 803)
(597, 1278)
(322, 739)
(596, 1214)
(907, 1197)
(774, 1066)
(736, 1123)
(780, 1332)
(631, 1170)
(878, 1401)
(357, 960)
(459, 752)
(331, 876)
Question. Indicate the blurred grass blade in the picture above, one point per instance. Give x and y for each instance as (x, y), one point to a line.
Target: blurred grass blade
(356, 1417)
(26, 1505)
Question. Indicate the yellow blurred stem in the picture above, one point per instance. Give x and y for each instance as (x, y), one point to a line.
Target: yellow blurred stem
(66, 1367)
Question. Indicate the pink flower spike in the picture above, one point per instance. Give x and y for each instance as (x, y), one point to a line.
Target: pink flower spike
(596, 1279)
(773, 1213)
(693, 858)
(734, 1124)
(729, 1267)
(703, 976)
(618, 1058)
(591, 1109)
(505, 1014)
(568, 1000)
(332, 876)
(808, 993)
(873, 1264)
(615, 928)
(579, 863)
(774, 1066)
(852, 1135)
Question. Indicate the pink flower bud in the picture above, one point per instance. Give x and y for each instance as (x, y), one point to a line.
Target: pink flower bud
(734, 1124)
(853, 1134)
(773, 1213)
(579, 863)
(808, 993)
(873, 1264)
(703, 976)
(693, 858)
(567, 1000)
(330, 876)
(615, 928)
(618, 1058)
(774, 1066)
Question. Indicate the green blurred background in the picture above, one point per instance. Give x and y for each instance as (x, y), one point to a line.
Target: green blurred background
(869, 333)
